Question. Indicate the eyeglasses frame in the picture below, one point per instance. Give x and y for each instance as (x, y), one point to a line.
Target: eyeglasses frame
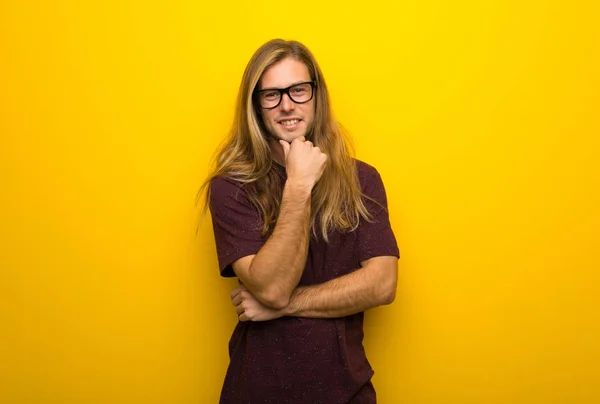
(282, 91)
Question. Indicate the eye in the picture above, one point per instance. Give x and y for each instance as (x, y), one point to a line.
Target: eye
(271, 94)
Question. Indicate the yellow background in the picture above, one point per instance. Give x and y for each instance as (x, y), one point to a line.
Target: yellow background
(482, 117)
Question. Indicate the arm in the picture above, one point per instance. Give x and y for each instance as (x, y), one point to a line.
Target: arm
(372, 285)
(272, 274)
(276, 269)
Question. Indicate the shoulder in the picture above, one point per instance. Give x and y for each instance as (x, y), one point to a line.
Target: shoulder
(371, 184)
(367, 174)
(223, 189)
(224, 184)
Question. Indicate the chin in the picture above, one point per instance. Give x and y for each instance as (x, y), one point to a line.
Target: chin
(289, 137)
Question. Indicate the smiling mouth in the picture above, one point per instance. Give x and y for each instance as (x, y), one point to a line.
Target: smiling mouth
(289, 122)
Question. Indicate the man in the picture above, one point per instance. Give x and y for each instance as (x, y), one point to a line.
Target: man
(305, 229)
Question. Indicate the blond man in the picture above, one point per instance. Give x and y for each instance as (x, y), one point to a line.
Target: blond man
(305, 229)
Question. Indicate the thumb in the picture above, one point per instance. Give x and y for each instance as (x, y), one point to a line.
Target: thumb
(286, 147)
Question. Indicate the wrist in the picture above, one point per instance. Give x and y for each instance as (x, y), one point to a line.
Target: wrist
(299, 188)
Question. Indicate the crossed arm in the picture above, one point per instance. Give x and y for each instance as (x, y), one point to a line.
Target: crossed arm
(272, 274)
(269, 278)
(374, 284)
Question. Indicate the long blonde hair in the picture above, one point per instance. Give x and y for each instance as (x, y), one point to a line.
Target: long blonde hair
(245, 156)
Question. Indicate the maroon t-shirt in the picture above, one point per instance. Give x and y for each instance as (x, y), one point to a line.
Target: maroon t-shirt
(295, 360)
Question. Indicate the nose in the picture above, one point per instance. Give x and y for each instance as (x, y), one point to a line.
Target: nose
(286, 103)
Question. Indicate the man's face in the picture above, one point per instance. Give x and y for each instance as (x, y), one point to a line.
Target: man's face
(288, 120)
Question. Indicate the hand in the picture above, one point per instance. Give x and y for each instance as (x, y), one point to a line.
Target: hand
(249, 308)
(304, 162)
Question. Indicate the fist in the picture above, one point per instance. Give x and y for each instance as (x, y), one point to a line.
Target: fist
(304, 162)
(248, 308)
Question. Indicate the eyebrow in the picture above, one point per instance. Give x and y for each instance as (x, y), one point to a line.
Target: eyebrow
(281, 88)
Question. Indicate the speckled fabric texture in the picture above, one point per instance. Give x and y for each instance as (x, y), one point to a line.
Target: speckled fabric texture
(296, 360)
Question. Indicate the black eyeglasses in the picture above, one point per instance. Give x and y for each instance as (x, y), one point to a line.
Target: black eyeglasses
(299, 93)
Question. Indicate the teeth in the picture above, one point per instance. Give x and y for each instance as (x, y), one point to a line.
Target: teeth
(290, 122)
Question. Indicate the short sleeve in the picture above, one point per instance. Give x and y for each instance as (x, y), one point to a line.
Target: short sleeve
(375, 237)
(236, 223)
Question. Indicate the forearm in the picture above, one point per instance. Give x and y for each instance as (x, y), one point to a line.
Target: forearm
(277, 268)
(349, 294)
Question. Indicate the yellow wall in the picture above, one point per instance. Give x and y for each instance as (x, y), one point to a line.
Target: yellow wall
(482, 117)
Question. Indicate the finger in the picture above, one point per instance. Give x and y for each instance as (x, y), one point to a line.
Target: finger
(286, 148)
(239, 309)
(235, 292)
(243, 317)
(236, 300)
